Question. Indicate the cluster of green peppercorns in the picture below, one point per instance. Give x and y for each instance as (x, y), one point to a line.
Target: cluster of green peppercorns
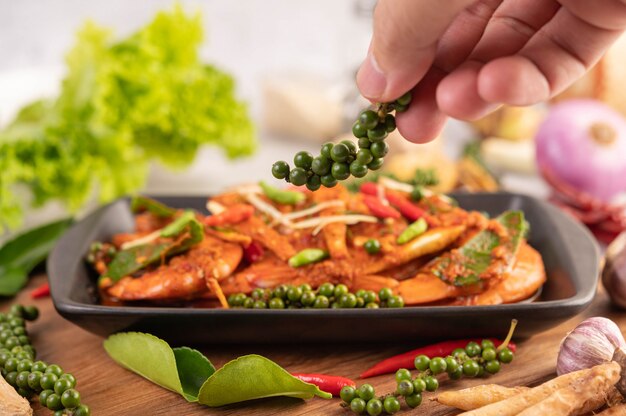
(338, 161)
(17, 365)
(326, 296)
(475, 360)
(363, 400)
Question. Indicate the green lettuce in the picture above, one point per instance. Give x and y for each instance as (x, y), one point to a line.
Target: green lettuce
(122, 103)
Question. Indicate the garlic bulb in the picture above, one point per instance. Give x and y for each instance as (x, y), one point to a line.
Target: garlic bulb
(591, 343)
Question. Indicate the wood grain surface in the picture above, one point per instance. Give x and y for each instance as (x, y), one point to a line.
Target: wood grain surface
(111, 390)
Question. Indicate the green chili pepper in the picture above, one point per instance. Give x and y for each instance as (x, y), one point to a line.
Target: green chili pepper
(418, 227)
(308, 256)
(281, 196)
(141, 203)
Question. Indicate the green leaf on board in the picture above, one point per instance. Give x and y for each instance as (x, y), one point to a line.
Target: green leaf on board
(188, 372)
(12, 279)
(146, 355)
(253, 377)
(193, 370)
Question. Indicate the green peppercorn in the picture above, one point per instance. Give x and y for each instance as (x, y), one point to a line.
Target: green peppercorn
(347, 393)
(19, 330)
(298, 176)
(280, 292)
(456, 374)
(6, 334)
(61, 385)
(422, 362)
(374, 407)
(472, 349)
(375, 164)
(10, 378)
(11, 364)
(432, 383)
(492, 366)
(391, 405)
(395, 302)
(11, 342)
(25, 392)
(471, 368)
(379, 149)
(377, 134)
(23, 355)
(70, 398)
(366, 392)
(437, 365)
(417, 193)
(339, 153)
(326, 148)
(405, 388)
(358, 169)
(369, 296)
(359, 130)
(257, 294)
(403, 374)
(405, 99)
(259, 304)
(505, 355)
(364, 143)
(413, 400)
(277, 303)
(308, 298)
(328, 181)
(16, 310)
(372, 246)
(34, 380)
(280, 169)
(340, 171)
(357, 405)
(347, 300)
(326, 289)
(23, 340)
(384, 294)
(372, 305)
(294, 294)
(53, 402)
(350, 145)
(487, 343)
(321, 302)
(43, 396)
(340, 289)
(489, 354)
(313, 183)
(16, 321)
(368, 118)
(451, 364)
(47, 380)
(390, 123)
(82, 410)
(303, 160)
(321, 165)
(248, 303)
(419, 385)
(24, 365)
(364, 156)
(22, 379)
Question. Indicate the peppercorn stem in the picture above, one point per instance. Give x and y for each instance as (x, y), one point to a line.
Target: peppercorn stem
(506, 341)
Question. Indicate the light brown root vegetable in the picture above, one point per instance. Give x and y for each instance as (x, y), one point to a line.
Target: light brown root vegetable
(479, 396)
(516, 404)
(619, 410)
(11, 403)
(589, 392)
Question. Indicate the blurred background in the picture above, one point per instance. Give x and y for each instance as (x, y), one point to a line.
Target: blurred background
(139, 110)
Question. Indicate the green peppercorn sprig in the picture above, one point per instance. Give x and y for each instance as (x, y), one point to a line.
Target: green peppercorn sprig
(326, 296)
(475, 360)
(337, 162)
(19, 368)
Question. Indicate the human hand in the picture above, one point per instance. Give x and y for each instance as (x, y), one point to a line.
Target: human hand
(464, 58)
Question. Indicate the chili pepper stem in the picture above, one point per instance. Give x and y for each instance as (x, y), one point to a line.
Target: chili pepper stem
(506, 341)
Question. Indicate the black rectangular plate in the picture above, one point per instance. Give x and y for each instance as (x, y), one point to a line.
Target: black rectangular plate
(570, 253)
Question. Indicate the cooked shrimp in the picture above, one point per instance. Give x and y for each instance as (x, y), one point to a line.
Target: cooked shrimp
(185, 276)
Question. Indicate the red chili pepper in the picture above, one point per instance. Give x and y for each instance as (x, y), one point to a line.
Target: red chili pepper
(329, 384)
(408, 209)
(233, 215)
(41, 291)
(380, 210)
(254, 252)
(406, 360)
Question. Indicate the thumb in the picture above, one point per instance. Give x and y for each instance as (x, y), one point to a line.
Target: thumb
(403, 45)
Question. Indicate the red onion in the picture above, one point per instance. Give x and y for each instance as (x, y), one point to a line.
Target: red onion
(583, 143)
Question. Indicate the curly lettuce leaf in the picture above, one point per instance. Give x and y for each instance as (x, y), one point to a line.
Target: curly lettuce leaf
(121, 104)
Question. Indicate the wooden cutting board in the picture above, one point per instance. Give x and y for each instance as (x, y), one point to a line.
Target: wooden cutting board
(110, 390)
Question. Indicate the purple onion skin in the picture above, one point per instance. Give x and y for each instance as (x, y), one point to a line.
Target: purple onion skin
(566, 146)
(572, 354)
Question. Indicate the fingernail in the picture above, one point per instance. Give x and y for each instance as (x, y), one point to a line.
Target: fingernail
(370, 78)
